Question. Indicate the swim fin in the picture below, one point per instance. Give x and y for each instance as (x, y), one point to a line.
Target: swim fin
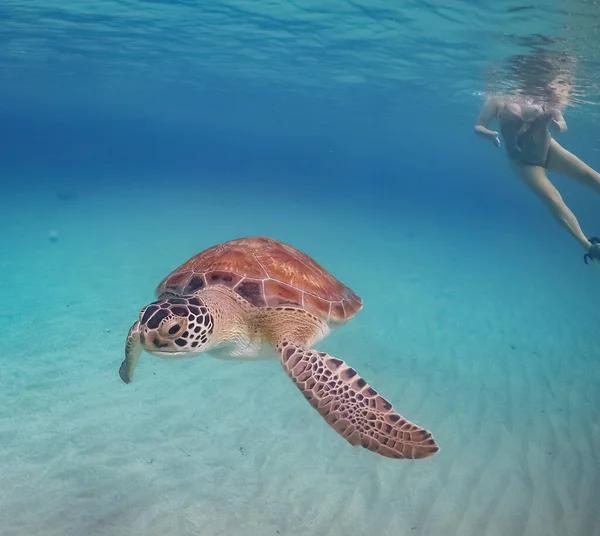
(593, 253)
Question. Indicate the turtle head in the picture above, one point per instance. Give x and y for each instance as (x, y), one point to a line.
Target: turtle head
(169, 328)
(175, 326)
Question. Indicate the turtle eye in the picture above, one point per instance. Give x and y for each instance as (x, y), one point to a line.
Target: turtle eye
(173, 328)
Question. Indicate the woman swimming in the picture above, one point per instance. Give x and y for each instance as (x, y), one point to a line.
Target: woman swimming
(525, 123)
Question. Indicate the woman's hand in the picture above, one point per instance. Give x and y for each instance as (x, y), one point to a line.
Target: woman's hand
(558, 126)
(557, 123)
(490, 110)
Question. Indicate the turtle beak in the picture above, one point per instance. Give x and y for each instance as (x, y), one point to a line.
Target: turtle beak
(133, 351)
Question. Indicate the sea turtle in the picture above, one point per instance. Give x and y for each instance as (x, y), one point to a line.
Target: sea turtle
(255, 298)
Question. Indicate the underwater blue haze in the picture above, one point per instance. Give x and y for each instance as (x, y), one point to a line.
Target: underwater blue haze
(136, 133)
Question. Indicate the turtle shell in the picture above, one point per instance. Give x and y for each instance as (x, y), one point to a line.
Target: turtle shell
(267, 273)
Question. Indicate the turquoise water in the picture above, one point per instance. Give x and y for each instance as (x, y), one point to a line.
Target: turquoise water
(136, 134)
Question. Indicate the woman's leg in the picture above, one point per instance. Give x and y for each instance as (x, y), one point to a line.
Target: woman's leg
(535, 178)
(562, 161)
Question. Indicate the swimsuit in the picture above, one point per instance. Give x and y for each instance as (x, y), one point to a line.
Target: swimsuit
(527, 141)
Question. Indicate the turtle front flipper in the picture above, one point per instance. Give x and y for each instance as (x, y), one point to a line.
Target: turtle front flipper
(353, 408)
(133, 351)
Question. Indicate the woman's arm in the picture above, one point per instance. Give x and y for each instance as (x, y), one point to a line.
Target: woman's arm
(487, 114)
(557, 122)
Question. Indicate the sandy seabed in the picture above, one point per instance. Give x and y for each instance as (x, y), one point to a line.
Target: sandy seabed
(493, 350)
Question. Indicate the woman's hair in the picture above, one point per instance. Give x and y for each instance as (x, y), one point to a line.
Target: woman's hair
(543, 74)
(535, 73)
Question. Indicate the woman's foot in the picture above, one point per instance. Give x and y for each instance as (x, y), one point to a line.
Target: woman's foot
(593, 253)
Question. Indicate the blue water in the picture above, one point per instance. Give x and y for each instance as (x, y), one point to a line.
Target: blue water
(134, 134)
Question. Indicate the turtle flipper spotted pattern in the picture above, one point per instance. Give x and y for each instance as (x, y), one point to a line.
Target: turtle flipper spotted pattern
(352, 408)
